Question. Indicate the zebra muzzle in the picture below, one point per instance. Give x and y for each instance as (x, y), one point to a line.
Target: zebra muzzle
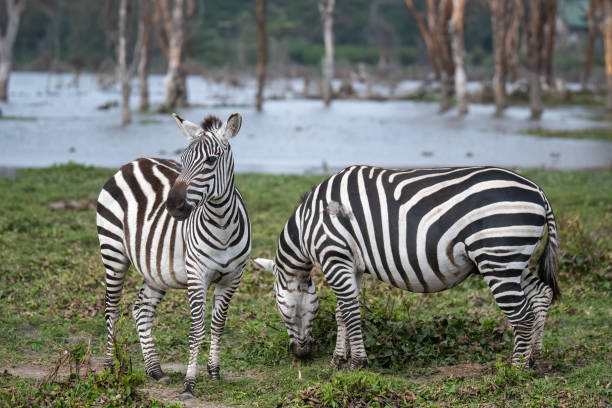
(176, 204)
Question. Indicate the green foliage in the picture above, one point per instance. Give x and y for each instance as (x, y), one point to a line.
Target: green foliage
(594, 133)
(358, 388)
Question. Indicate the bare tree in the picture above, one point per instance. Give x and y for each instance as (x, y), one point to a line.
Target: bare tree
(381, 34)
(435, 36)
(607, 35)
(262, 51)
(550, 18)
(144, 33)
(326, 8)
(594, 17)
(505, 22)
(14, 8)
(171, 39)
(513, 39)
(456, 31)
(536, 18)
(123, 68)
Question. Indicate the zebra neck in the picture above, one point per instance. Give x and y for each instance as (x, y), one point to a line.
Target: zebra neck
(291, 255)
(220, 213)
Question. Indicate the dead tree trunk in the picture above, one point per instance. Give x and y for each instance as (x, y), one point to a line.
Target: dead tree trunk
(498, 28)
(123, 68)
(171, 40)
(456, 31)
(262, 51)
(512, 45)
(145, 27)
(593, 20)
(326, 8)
(534, 55)
(443, 16)
(426, 34)
(14, 8)
(435, 36)
(607, 35)
(551, 18)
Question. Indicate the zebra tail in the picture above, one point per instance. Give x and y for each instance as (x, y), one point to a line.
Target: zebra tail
(548, 264)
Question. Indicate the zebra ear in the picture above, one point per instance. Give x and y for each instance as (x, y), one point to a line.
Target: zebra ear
(232, 126)
(190, 130)
(265, 264)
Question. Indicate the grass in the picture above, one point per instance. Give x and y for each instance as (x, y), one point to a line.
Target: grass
(52, 291)
(604, 133)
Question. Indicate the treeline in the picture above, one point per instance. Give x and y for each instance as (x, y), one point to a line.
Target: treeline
(80, 34)
(129, 36)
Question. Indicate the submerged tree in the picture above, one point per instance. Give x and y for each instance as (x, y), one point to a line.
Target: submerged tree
(607, 34)
(262, 51)
(505, 22)
(326, 8)
(171, 41)
(594, 19)
(14, 9)
(536, 19)
(456, 31)
(123, 68)
(144, 33)
(434, 32)
(550, 27)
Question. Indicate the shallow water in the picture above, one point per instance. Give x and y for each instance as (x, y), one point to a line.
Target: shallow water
(49, 120)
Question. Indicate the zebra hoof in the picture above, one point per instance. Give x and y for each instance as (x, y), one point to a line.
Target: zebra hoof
(338, 361)
(186, 395)
(357, 363)
(214, 373)
(160, 377)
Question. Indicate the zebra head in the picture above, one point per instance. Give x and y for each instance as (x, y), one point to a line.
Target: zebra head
(207, 164)
(297, 301)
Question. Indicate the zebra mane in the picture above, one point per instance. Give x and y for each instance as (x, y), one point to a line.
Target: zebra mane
(303, 198)
(211, 123)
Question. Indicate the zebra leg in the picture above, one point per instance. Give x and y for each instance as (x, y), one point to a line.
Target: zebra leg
(345, 282)
(340, 352)
(144, 311)
(116, 267)
(221, 298)
(540, 298)
(511, 299)
(197, 305)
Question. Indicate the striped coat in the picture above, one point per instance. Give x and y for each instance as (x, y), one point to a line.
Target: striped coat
(182, 226)
(422, 230)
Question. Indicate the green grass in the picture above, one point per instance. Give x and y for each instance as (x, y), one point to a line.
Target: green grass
(604, 133)
(52, 291)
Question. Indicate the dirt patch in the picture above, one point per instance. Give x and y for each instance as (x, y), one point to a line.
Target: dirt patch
(38, 371)
(463, 370)
(170, 394)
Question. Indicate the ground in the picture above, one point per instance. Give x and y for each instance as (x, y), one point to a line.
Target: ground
(444, 349)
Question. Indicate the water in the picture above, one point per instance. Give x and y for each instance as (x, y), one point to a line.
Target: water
(50, 120)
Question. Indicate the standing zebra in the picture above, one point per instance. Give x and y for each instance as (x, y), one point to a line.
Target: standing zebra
(422, 230)
(182, 225)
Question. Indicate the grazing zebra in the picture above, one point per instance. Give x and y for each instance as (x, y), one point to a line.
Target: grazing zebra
(422, 230)
(182, 225)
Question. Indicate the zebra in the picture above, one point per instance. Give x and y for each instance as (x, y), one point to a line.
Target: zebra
(421, 230)
(183, 226)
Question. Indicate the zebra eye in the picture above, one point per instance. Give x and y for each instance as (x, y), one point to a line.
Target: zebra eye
(210, 160)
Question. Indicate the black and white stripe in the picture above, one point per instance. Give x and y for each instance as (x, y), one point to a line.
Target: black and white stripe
(182, 226)
(422, 230)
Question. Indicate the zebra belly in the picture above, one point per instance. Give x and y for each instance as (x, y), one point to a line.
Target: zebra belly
(453, 268)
